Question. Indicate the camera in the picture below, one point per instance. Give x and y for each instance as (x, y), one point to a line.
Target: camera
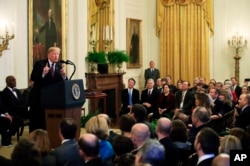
(247, 79)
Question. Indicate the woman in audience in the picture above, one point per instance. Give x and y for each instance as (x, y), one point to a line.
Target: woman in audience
(41, 140)
(126, 123)
(243, 137)
(202, 100)
(244, 89)
(227, 102)
(229, 142)
(99, 127)
(179, 136)
(166, 102)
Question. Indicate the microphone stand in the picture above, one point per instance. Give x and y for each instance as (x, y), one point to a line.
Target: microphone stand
(71, 63)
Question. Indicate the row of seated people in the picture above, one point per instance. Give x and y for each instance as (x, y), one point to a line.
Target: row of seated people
(163, 102)
(134, 145)
(14, 110)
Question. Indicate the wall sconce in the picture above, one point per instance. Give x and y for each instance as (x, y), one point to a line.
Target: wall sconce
(5, 37)
(238, 42)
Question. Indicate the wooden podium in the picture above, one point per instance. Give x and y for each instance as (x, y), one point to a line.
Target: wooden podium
(61, 100)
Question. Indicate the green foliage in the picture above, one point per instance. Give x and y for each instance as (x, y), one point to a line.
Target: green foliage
(96, 57)
(84, 119)
(117, 57)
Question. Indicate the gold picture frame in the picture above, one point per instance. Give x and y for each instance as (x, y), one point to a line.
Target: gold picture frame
(39, 12)
(134, 43)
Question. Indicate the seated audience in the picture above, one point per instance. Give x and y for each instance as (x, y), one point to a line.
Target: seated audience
(111, 134)
(129, 96)
(202, 100)
(126, 124)
(139, 112)
(149, 97)
(243, 137)
(126, 159)
(163, 130)
(13, 99)
(242, 118)
(244, 89)
(217, 105)
(121, 145)
(98, 126)
(67, 153)
(184, 99)
(151, 152)
(140, 133)
(89, 150)
(171, 86)
(227, 102)
(229, 142)
(183, 117)
(221, 160)
(7, 125)
(206, 145)
(179, 136)
(25, 153)
(200, 118)
(41, 140)
(165, 103)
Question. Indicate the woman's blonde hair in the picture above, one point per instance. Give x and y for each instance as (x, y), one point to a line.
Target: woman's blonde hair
(229, 142)
(97, 126)
(40, 138)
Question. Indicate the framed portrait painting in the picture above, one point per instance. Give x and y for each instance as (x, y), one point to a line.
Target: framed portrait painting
(134, 43)
(47, 28)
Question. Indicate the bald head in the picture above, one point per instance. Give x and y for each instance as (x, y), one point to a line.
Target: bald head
(140, 133)
(89, 144)
(221, 159)
(164, 126)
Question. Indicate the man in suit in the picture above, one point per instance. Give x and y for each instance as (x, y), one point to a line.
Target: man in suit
(149, 97)
(242, 118)
(13, 100)
(129, 96)
(68, 153)
(217, 105)
(6, 125)
(151, 72)
(89, 149)
(163, 130)
(45, 72)
(235, 87)
(206, 145)
(184, 99)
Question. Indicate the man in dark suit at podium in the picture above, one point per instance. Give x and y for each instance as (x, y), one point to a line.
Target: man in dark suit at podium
(129, 96)
(45, 72)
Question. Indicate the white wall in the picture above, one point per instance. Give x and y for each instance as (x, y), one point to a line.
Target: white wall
(229, 16)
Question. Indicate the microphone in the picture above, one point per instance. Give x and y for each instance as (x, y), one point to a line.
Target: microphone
(66, 62)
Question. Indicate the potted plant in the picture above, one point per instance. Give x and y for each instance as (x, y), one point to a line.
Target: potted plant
(117, 57)
(95, 58)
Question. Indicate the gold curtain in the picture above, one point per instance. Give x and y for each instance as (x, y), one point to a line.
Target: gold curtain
(183, 27)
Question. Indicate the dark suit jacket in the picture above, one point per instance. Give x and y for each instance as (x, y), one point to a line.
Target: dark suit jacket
(5, 162)
(15, 106)
(125, 99)
(95, 162)
(152, 99)
(206, 162)
(171, 151)
(154, 75)
(68, 154)
(37, 119)
(218, 107)
(243, 120)
(188, 102)
(238, 91)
